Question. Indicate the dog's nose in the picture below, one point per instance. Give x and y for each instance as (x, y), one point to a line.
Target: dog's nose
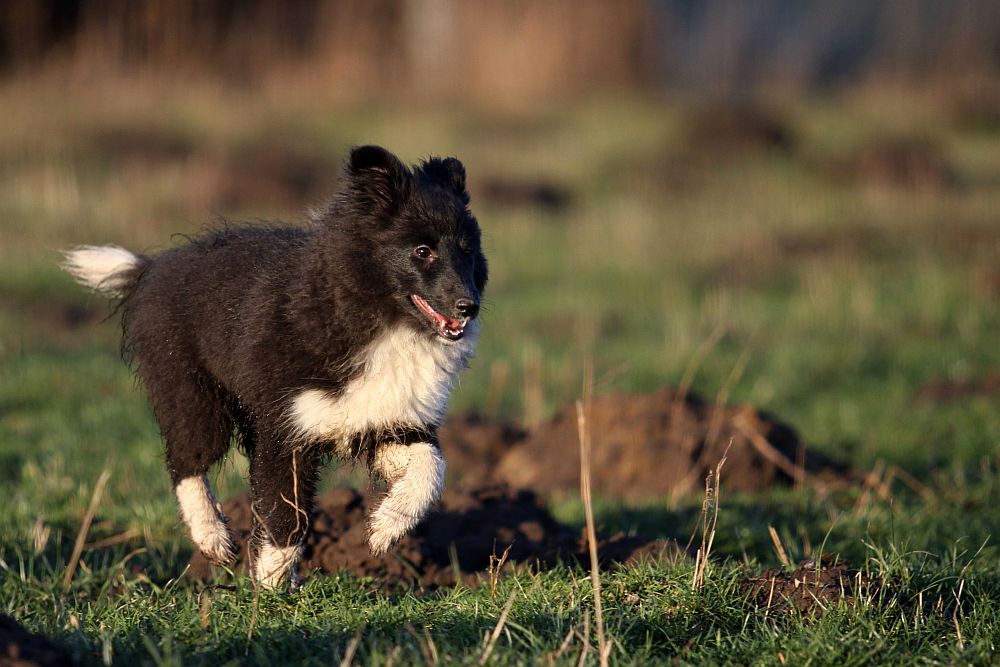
(467, 308)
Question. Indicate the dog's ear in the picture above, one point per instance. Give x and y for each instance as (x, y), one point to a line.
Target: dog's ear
(379, 176)
(449, 173)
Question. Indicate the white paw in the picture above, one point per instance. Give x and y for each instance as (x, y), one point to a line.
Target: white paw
(204, 519)
(273, 566)
(216, 544)
(386, 528)
(415, 489)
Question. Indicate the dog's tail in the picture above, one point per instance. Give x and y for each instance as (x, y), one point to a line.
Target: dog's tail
(109, 269)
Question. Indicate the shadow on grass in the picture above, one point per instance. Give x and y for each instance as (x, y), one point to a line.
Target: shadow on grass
(457, 638)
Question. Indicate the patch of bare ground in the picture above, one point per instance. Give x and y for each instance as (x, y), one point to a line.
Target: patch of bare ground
(904, 163)
(522, 193)
(474, 445)
(943, 390)
(57, 315)
(272, 175)
(646, 446)
(974, 105)
(21, 648)
(718, 131)
(459, 542)
(813, 587)
(266, 173)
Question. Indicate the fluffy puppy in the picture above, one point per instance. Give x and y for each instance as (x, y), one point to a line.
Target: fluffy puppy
(343, 338)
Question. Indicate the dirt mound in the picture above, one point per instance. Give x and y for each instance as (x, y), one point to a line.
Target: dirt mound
(510, 192)
(809, 589)
(474, 445)
(942, 390)
(897, 163)
(273, 175)
(649, 446)
(454, 544)
(20, 648)
(715, 132)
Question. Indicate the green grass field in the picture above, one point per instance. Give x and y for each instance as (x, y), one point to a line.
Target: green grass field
(840, 286)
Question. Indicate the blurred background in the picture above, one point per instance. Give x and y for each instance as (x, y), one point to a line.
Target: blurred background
(490, 51)
(790, 204)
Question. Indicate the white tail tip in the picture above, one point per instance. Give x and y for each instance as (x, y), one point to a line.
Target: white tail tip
(102, 268)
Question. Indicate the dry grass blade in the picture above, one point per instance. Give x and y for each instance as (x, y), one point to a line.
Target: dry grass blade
(426, 644)
(533, 391)
(955, 614)
(916, 485)
(715, 425)
(496, 565)
(432, 651)
(595, 573)
(778, 547)
(554, 657)
(585, 638)
(709, 523)
(499, 374)
(352, 648)
(692, 369)
(125, 536)
(497, 629)
(769, 452)
(40, 535)
(872, 481)
(81, 536)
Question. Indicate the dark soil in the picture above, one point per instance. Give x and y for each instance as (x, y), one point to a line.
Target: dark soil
(715, 133)
(454, 544)
(946, 391)
(505, 192)
(142, 145)
(261, 174)
(898, 163)
(20, 648)
(645, 446)
(274, 175)
(474, 445)
(975, 105)
(810, 589)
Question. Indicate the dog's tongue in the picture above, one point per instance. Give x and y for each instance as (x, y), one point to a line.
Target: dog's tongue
(439, 320)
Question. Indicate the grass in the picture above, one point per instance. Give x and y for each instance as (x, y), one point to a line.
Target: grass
(843, 297)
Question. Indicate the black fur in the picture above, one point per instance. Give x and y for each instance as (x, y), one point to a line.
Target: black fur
(223, 330)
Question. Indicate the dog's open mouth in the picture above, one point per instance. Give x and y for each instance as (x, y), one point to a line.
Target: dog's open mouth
(446, 327)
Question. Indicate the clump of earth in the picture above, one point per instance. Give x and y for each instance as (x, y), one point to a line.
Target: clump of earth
(459, 542)
(21, 648)
(814, 586)
(644, 447)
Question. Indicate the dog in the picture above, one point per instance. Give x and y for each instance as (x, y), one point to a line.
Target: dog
(343, 338)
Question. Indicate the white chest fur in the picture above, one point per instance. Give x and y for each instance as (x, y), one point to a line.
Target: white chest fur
(406, 379)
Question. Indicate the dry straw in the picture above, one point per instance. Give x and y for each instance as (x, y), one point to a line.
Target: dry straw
(81, 536)
(582, 412)
(708, 520)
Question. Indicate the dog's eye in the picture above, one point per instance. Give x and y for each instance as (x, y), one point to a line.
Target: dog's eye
(423, 252)
(465, 246)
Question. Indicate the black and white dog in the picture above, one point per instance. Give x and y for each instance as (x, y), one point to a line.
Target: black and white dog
(343, 338)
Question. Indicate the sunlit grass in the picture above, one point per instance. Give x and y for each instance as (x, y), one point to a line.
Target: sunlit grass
(846, 297)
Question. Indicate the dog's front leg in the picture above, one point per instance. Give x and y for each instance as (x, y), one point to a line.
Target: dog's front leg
(415, 473)
(282, 486)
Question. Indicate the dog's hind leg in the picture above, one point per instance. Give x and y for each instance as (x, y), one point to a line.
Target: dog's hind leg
(197, 430)
(282, 485)
(415, 472)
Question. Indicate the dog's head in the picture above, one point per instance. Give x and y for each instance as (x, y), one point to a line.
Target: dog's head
(416, 241)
